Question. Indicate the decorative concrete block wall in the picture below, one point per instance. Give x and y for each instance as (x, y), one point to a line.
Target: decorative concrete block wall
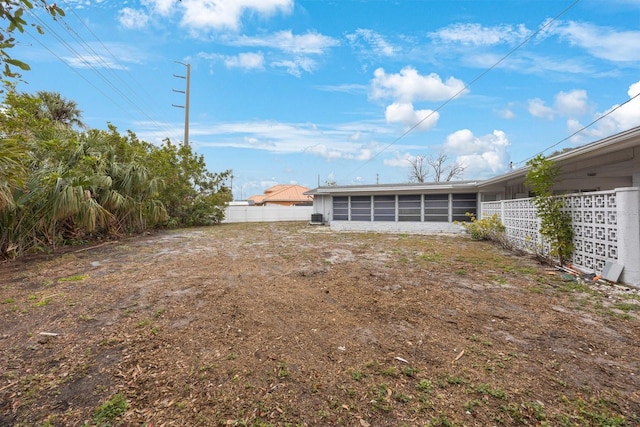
(594, 217)
(606, 227)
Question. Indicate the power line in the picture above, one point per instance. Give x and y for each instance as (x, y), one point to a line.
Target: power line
(72, 69)
(468, 85)
(89, 65)
(82, 59)
(581, 129)
(114, 57)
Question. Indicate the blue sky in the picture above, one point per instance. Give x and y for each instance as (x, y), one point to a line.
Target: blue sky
(306, 91)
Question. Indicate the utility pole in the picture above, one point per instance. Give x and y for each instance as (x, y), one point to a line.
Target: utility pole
(186, 102)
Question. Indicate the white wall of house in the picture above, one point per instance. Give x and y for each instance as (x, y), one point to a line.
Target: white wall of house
(398, 227)
(322, 205)
(271, 213)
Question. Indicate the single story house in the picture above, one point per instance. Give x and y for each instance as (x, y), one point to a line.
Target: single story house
(600, 182)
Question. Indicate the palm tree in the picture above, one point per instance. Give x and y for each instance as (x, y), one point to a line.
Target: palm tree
(126, 189)
(12, 171)
(59, 109)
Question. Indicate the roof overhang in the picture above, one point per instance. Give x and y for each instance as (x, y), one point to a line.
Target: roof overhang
(612, 155)
(437, 187)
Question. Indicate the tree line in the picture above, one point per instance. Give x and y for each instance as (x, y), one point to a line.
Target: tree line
(63, 183)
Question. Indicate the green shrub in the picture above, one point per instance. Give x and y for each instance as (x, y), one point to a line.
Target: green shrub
(555, 222)
(490, 228)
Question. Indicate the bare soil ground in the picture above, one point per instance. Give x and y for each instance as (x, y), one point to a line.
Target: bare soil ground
(290, 324)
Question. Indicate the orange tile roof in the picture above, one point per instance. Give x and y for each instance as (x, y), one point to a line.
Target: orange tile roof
(257, 198)
(283, 193)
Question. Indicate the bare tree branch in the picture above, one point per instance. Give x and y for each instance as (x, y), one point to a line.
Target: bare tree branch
(437, 164)
(421, 167)
(418, 172)
(455, 171)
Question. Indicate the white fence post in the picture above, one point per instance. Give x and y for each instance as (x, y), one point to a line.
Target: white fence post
(628, 207)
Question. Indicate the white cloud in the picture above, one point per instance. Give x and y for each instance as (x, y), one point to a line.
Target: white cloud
(299, 47)
(298, 50)
(399, 160)
(380, 46)
(274, 137)
(286, 41)
(482, 156)
(527, 62)
(246, 61)
(296, 66)
(537, 108)
(472, 44)
(344, 88)
(364, 154)
(618, 118)
(478, 35)
(132, 18)
(482, 159)
(160, 7)
(405, 114)
(361, 154)
(121, 55)
(572, 103)
(409, 86)
(325, 152)
(226, 14)
(93, 61)
(507, 113)
(602, 42)
(204, 15)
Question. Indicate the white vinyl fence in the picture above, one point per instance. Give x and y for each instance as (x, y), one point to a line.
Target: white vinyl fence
(270, 213)
(606, 226)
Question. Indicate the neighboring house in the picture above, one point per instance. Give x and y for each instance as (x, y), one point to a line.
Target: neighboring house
(283, 195)
(599, 180)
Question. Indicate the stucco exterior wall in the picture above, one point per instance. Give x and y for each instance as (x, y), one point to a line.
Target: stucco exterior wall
(398, 227)
(322, 205)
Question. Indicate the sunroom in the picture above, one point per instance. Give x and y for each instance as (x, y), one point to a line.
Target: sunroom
(415, 208)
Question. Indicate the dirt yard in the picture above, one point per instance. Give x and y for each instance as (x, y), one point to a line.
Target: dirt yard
(293, 325)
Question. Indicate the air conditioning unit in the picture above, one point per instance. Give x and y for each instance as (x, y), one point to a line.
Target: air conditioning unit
(316, 219)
